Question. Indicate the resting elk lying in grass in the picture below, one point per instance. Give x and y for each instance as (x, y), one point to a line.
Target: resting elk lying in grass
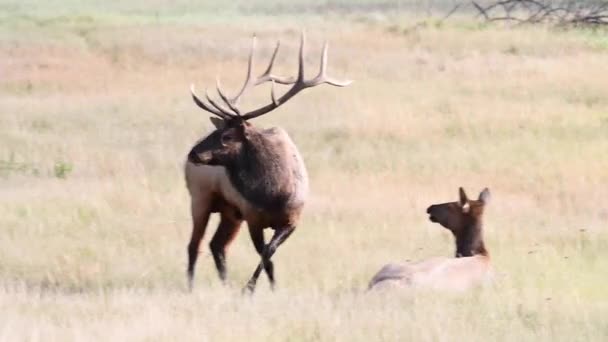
(470, 267)
(247, 173)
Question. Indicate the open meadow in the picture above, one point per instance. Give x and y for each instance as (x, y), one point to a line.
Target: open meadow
(96, 120)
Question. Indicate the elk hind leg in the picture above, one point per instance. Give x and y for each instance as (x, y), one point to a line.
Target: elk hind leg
(257, 237)
(280, 235)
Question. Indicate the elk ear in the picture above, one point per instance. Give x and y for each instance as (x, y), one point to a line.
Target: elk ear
(463, 197)
(217, 122)
(484, 196)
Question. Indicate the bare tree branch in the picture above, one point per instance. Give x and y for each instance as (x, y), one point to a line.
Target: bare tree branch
(565, 12)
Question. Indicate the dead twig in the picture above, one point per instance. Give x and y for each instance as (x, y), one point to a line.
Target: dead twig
(570, 12)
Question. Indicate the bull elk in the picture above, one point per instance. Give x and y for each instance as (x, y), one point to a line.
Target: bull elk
(469, 268)
(247, 173)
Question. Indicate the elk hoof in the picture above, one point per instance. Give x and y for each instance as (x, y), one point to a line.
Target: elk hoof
(190, 283)
(248, 289)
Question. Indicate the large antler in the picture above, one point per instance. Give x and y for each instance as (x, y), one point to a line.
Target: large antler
(299, 84)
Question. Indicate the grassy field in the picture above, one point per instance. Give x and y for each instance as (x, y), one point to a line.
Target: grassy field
(96, 121)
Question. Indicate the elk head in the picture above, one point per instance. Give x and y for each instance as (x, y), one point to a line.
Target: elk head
(464, 219)
(222, 145)
(233, 130)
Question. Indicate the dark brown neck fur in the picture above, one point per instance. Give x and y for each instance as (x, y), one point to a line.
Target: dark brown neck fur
(469, 241)
(262, 174)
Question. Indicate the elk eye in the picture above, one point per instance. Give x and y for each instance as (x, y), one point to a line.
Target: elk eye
(226, 138)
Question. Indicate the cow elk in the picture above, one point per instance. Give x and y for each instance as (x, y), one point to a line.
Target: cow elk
(470, 266)
(246, 173)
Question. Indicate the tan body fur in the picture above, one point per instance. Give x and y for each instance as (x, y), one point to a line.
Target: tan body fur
(211, 190)
(442, 273)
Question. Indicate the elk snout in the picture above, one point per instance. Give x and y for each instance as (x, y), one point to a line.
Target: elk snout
(430, 211)
(193, 158)
(199, 158)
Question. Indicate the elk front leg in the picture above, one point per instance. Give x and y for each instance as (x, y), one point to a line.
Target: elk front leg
(226, 231)
(280, 235)
(200, 209)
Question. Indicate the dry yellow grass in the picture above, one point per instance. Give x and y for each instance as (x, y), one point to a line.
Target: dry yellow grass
(96, 120)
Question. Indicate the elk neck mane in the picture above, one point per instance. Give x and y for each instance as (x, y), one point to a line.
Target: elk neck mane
(270, 173)
(469, 241)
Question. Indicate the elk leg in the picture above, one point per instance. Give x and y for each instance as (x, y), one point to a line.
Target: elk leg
(226, 231)
(280, 235)
(257, 236)
(200, 217)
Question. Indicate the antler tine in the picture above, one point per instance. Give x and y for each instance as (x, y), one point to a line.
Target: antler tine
(322, 76)
(216, 105)
(272, 95)
(271, 63)
(301, 58)
(225, 98)
(204, 106)
(247, 83)
(268, 76)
